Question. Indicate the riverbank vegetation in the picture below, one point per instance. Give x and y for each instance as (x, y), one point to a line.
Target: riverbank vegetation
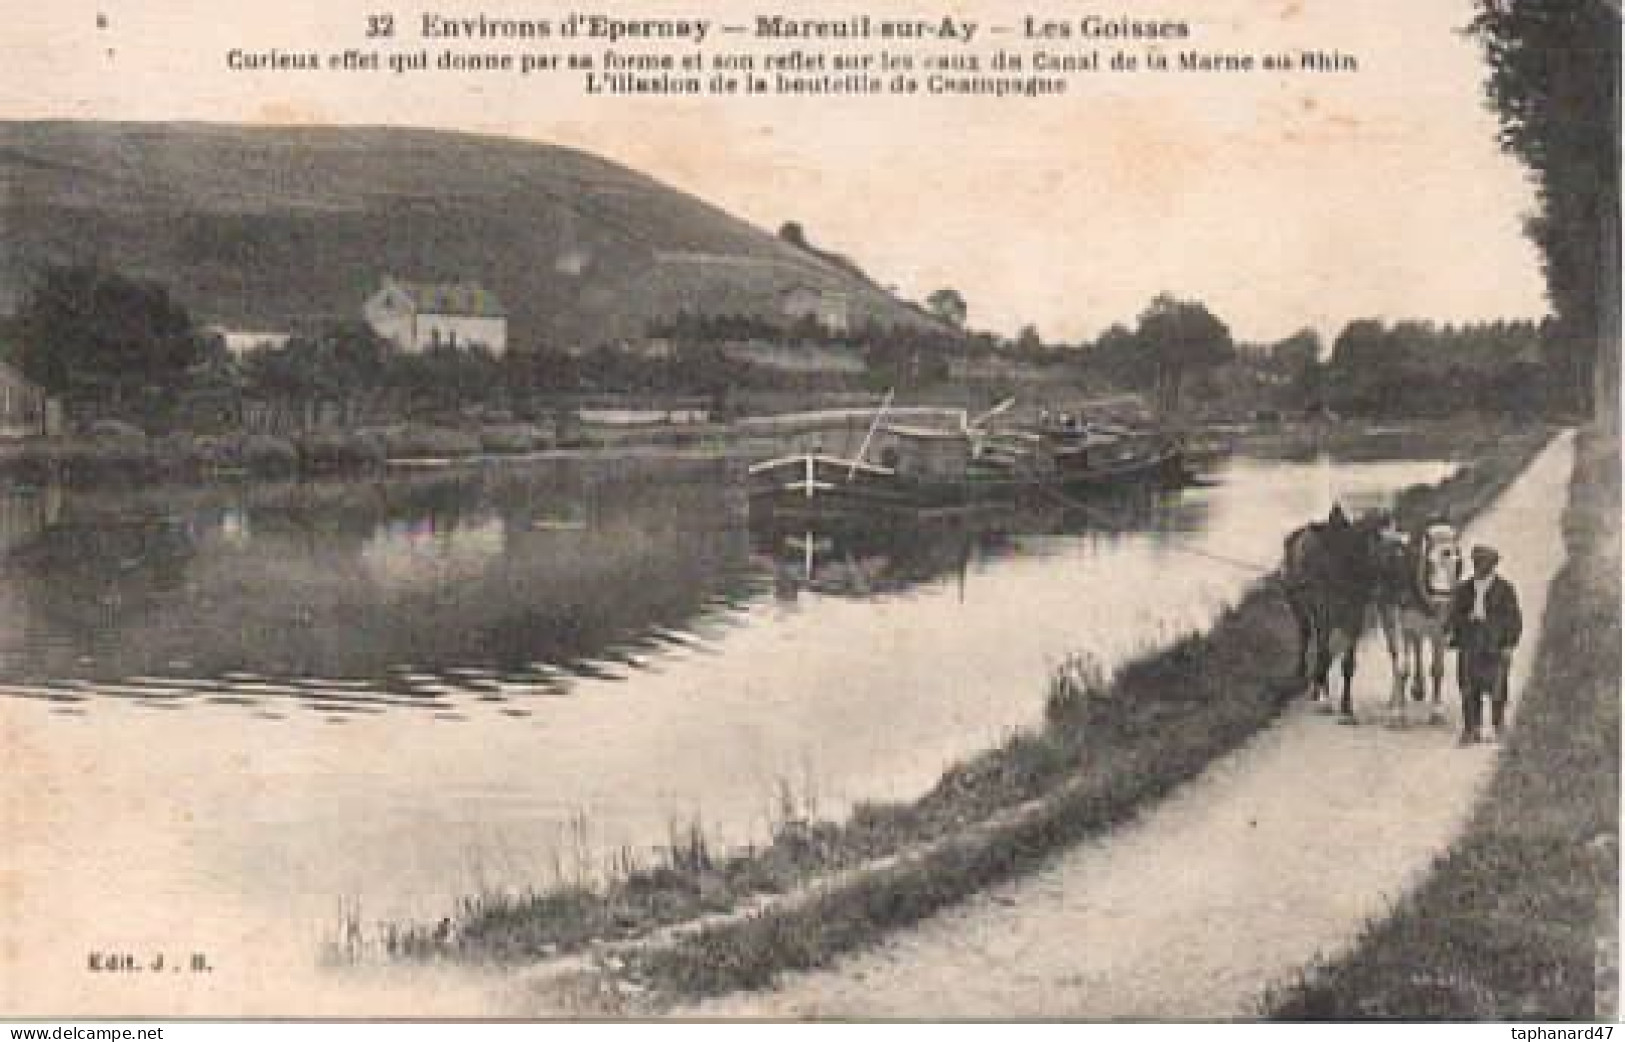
(1519, 920)
(1462, 437)
(119, 454)
(1110, 745)
(122, 354)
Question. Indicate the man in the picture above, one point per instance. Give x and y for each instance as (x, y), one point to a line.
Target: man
(1485, 624)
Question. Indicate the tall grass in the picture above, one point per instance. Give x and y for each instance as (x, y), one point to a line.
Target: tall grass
(1072, 684)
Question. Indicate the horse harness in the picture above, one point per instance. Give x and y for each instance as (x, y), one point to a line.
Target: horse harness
(1414, 587)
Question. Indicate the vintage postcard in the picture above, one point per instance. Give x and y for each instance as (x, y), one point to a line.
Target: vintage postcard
(894, 510)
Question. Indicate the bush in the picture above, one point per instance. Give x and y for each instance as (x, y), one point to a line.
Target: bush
(416, 441)
(1073, 684)
(327, 452)
(263, 454)
(509, 437)
(259, 454)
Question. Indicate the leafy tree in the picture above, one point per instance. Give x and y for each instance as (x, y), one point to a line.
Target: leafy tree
(1028, 341)
(1421, 369)
(105, 341)
(1365, 344)
(1116, 359)
(352, 356)
(1180, 338)
(1366, 362)
(539, 371)
(1297, 351)
(443, 379)
(1297, 358)
(1554, 81)
(949, 305)
(793, 233)
(343, 363)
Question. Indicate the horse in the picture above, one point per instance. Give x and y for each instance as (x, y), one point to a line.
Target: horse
(1417, 575)
(1328, 574)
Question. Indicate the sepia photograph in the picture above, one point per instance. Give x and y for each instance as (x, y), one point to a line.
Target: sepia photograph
(659, 512)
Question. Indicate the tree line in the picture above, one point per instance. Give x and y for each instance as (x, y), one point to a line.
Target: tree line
(114, 347)
(1416, 368)
(111, 346)
(1410, 368)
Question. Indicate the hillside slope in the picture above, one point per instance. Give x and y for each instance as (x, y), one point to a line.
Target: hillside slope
(268, 227)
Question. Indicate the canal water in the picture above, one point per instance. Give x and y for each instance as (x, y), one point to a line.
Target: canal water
(229, 711)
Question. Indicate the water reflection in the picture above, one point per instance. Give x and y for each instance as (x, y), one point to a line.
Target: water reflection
(862, 562)
(421, 591)
(426, 551)
(850, 558)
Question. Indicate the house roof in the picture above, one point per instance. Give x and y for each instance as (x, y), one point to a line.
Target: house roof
(449, 298)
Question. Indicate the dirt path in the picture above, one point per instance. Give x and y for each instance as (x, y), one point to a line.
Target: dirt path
(1276, 855)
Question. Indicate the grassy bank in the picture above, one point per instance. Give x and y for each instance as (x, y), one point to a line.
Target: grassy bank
(1509, 925)
(128, 457)
(1110, 746)
(1462, 437)
(124, 457)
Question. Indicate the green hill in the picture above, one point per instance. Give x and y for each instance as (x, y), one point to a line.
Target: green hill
(273, 227)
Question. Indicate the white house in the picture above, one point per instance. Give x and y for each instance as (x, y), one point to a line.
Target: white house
(420, 315)
(830, 308)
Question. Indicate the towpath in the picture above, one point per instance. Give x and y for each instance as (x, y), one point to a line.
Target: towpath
(1275, 856)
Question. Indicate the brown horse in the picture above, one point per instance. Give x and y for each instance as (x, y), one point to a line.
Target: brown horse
(1417, 575)
(1329, 572)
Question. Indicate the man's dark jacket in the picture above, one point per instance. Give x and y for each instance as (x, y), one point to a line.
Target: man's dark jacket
(1502, 625)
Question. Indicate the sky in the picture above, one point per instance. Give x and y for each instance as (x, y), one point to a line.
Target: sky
(1280, 200)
